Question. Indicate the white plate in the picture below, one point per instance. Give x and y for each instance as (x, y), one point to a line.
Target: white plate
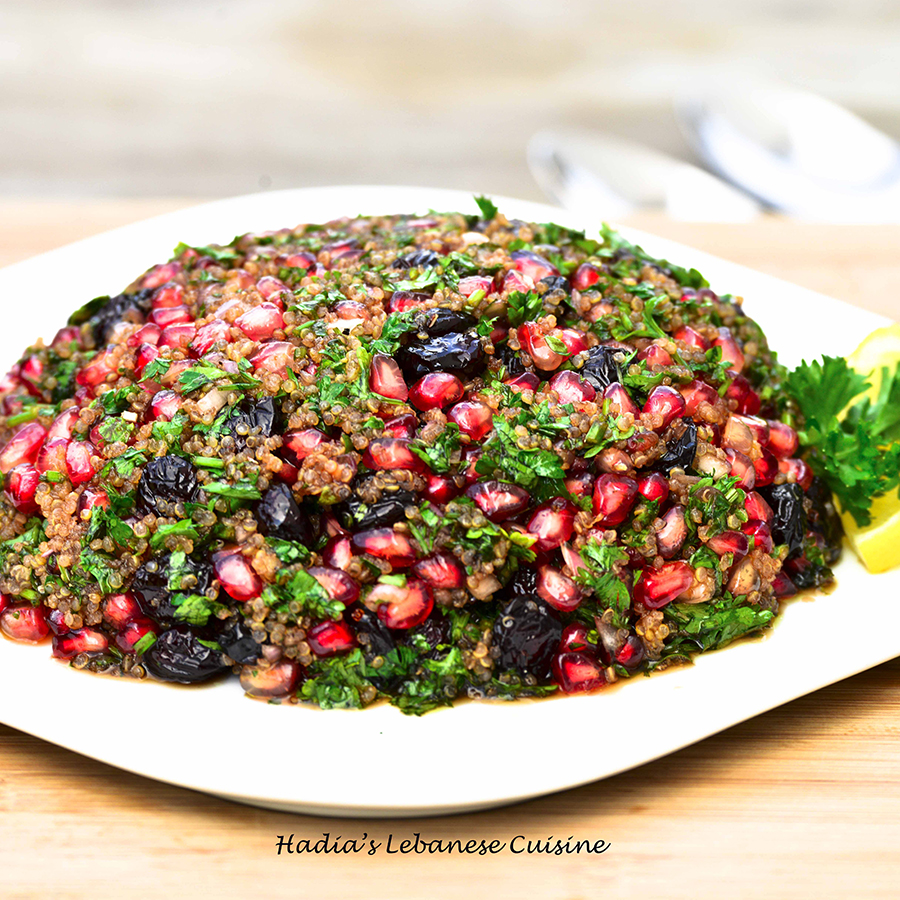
(378, 762)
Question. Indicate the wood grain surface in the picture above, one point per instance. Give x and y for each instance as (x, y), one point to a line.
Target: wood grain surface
(803, 802)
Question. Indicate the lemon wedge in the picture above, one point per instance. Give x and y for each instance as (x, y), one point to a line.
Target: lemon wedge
(878, 543)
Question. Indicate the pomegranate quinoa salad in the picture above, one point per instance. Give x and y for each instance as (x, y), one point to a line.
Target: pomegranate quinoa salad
(412, 458)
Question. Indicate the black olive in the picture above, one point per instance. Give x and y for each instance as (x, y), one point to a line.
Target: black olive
(511, 360)
(178, 655)
(789, 520)
(236, 640)
(681, 451)
(150, 584)
(438, 321)
(254, 417)
(169, 479)
(357, 515)
(436, 629)
(123, 307)
(600, 368)
(458, 353)
(555, 283)
(279, 515)
(419, 259)
(527, 633)
(524, 581)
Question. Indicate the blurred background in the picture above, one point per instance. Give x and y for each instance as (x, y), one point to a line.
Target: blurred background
(210, 98)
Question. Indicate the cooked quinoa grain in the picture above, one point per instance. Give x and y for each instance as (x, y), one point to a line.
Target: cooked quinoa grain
(411, 458)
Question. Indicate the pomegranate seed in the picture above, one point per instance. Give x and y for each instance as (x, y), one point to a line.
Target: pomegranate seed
(273, 357)
(270, 682)
(145, 355)
(671, 537)
(120, 609)
(631, 654)
(302, 443)
(440, 489)
(797, 472)
(67, 335)
(557, 589)
(575, 340)
(654, 355)
(56, 619)
(337, 552)
(515, 281)
(695, 393)
(165, 404)
(620, 399)
(337, 583)
(208, 336)
(552, 523)
(757, 508)
(658, 587)
(761, 534)
(402, 301)
(577, 673)
(330, 638)
(391, 453)
(782, 440)
(470, 457)
(178, 336)
(572, 559)
(167, 296)
(614, 495)
(532, 265)
(664, 402)
(474, 418)
(300, 260)
(350, 313)
(52, 456)
(78, 461)
(442, 571)
(386, 379)
(737, 435)
(743, 469)
(783, 586)
(580, 485)
(146, 334)
(160, 274)
(687, 335)
(475, 283)
(570, 388)
(385, 543)
(435, 391)
(747, 400)
(759, 428)
(21, 487)
(729, 542)
(401, 607)
(574, 638)
(171, 315)
(23, 446)
(498, 500)
(533, 341)
(64, 424)
(654, 487)
(236, 575)
(527, 381)
(261, 322)
(275, 290)
(89, 499)
(766, 468)
(133, 633)
(25, 623)
(586, 276)
(731, 352)
(402, 426)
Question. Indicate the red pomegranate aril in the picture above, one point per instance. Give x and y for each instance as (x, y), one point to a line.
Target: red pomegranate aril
(552, 523)
(261, 322)
(52, 456)
(514, 281)
(402, 426)
(766, 467)
(442, 571)
(273, 357)
(385, 543)
(731, 352)
(470, 457)
(208, 336)
(687, 335)
(747, 400)
(761, 534)
(330, 638)
(527, 381)
(132, 633)
(23, 446)
(236, 575)
(30, 374)
(78, 461)
(580, 485)
(350, 313)
(571, 388)
(577, 673)
(386, 379)
(165, 404)
(498, 500)
(759, 428)
(391, 453)
(178, 336)
(402, 301)
(435, 391)
(558, 590)
(274, 290)
(743, 469)
(783, 586)
(120, 609)
(585, 277)
(89, 499)
(56, 619)
(337, 552)
(654, 487)
(302, 443)
(534, 342)
(631, 653)
(167, 296)
(620, 399)
(671, 537)
(666, 402)
(730, 542)
(67, 335)
(145, 355)
(269, 682)
(797, 472)
(25, 623)
(757, 508)
(654, 355)
(658, 587)
(737, 436)
(64, 424)
(401, 606)
(614, 496)
(576, 341)
(162, 273)
(337, 583)
(574, 638)
(21, 487)
(782, 440)
(475, 283)
(695, 393)
(171, 315)
(474, 418)
(532, 265)
(440, 489)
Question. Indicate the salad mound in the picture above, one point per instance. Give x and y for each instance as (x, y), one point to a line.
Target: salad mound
(413, 458)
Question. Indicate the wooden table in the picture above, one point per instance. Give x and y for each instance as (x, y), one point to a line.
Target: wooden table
(802, 802)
